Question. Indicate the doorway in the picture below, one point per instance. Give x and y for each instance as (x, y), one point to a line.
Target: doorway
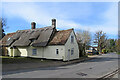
(68, 54)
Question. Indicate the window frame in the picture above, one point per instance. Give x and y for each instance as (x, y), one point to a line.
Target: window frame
(34, 51)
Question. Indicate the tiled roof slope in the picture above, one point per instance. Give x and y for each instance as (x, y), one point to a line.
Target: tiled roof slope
(60, 37)
(5, 39)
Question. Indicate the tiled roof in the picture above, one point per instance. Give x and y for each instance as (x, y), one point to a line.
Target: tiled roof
(6, 38)
(60, 37)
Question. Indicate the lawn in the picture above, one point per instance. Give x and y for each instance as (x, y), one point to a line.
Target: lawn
(9, 57)
(18, 60)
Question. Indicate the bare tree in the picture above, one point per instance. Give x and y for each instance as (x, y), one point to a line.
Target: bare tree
(2, 34)
(100, 40)
(84, 38)
(2, 24)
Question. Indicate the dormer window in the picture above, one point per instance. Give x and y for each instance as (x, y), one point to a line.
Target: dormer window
(72, 39)
(8, 39)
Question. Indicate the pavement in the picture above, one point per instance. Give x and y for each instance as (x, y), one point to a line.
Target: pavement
(93, 68)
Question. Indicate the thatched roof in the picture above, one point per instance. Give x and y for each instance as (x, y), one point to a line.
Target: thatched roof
(43, 38)
(37, 37)
(34, 37)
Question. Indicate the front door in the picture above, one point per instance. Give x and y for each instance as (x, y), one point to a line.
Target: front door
(68, 54)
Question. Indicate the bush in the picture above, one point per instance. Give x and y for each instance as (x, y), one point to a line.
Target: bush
(104, 50)
(118, 53)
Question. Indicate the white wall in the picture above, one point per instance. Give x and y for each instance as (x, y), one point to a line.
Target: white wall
(70, 45)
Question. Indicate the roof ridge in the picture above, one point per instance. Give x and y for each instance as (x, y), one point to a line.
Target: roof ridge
(34, 29)
(11, 33)
(67, 29)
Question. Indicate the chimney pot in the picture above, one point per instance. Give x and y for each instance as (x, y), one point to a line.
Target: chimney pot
(33, 25)
(54, 23)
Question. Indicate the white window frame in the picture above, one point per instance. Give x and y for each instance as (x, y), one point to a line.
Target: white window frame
(34, 51)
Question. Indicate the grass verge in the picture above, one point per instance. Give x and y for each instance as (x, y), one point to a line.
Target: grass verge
(19, 60)
(118, 53)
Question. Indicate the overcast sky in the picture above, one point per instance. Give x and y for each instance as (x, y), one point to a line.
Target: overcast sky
(92, 16)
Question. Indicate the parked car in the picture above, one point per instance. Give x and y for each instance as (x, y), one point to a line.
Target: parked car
(92, 52)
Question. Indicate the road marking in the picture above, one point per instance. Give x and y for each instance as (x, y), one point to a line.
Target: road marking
(110, 75)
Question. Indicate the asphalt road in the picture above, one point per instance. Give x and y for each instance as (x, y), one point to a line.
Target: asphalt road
(94, 68)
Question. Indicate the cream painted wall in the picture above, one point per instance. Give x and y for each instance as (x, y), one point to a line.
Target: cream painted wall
(39, 52)
(13, 52)
(70, 45)
(23, 51)
(48, 52)
(16, 52)
(10, 52)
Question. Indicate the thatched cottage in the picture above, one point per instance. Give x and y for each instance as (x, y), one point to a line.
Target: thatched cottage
(46, 42)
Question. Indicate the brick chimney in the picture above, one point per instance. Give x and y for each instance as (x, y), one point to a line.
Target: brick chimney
(54, 23)
(33, 25)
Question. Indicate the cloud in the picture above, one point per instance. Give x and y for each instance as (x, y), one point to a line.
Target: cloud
(111, 16)
(29, 13)
(110, 26)
(42, 15)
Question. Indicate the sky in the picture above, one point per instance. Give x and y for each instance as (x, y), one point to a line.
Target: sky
(91, 16)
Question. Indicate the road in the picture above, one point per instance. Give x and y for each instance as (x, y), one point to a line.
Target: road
(93, 68)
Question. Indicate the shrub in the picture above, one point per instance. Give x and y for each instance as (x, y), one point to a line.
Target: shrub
(104, 50)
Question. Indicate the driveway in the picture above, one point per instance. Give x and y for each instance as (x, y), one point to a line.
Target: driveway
(93, 68)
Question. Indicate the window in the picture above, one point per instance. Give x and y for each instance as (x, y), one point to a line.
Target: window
(34, 51)
(8, 39)
(72, 51)
(57, 52)
(72, 39)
